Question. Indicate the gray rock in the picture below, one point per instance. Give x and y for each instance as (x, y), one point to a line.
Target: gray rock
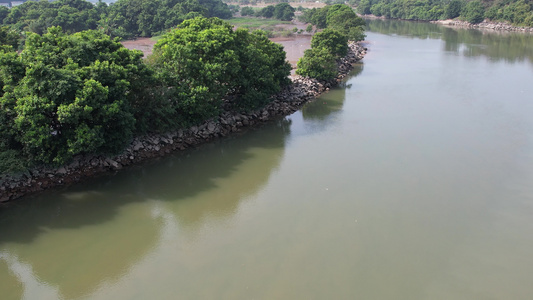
(113, 163)
(137, 145)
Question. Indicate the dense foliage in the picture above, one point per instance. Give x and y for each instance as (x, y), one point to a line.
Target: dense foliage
(124, 18)
(69, 94)
(149, 17)
(71, 15)
(341, 24)
(332, 40)
(9, 37)
(281, 11)
(84, 93)
(317, 63)
(517, 12)
(340, 17)
(204, 60)
(247, 11)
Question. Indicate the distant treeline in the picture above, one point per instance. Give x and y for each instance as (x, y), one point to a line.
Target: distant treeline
(124, 18)
(84, 93)
(280, 11)
(516, 12)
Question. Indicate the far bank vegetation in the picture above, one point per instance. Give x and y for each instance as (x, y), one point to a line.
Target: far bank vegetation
(515, 12)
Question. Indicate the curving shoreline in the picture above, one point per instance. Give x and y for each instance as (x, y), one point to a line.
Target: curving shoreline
(143, 148)
(485, 25)
(498, 26)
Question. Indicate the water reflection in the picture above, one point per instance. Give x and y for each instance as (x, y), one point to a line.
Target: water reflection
(10, 285)
(325, 111)
(23, 272)
(212, 181)
(421, 30)
(72, 242)
(330, 104)
(511, 47)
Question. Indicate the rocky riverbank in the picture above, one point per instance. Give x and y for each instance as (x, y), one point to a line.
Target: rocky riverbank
(498, 26)
(143, 148)
(485, 25)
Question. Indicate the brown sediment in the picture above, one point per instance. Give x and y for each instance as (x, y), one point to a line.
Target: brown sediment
(144, 44)
(294, 45)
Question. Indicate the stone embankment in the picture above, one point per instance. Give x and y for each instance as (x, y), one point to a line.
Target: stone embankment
(485, 25)
(143, 148)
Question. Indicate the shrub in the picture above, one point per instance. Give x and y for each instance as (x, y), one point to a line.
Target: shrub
(317, 63)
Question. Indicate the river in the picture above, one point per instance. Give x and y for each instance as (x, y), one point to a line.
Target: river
(413, 180)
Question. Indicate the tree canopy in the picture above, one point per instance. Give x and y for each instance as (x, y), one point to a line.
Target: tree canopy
(281, 11)
(204, 60)
(124, 18)
(340, 17)
(9, 37)
(70, 94)
(149, 17)
(71, 15)
(317, 63)
(332, 40)
(341, 24)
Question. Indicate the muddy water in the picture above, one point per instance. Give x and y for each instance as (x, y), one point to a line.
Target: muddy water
(294, 47)
(414, 180)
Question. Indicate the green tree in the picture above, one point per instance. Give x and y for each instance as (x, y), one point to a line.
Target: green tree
(197, 62)
(124, 18)
(4, 11)
(319, 17)
(247, 11)
(9, 37)
(454, 8)
(266, 12)
(11, 72)
(75, 96)
(284, 12)
(517, 12)
(74, 15)
(332, 40)
(263, 69)
(473, 12)
(317, 63)
(364, 7)
(343, 19)
(204, 60)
